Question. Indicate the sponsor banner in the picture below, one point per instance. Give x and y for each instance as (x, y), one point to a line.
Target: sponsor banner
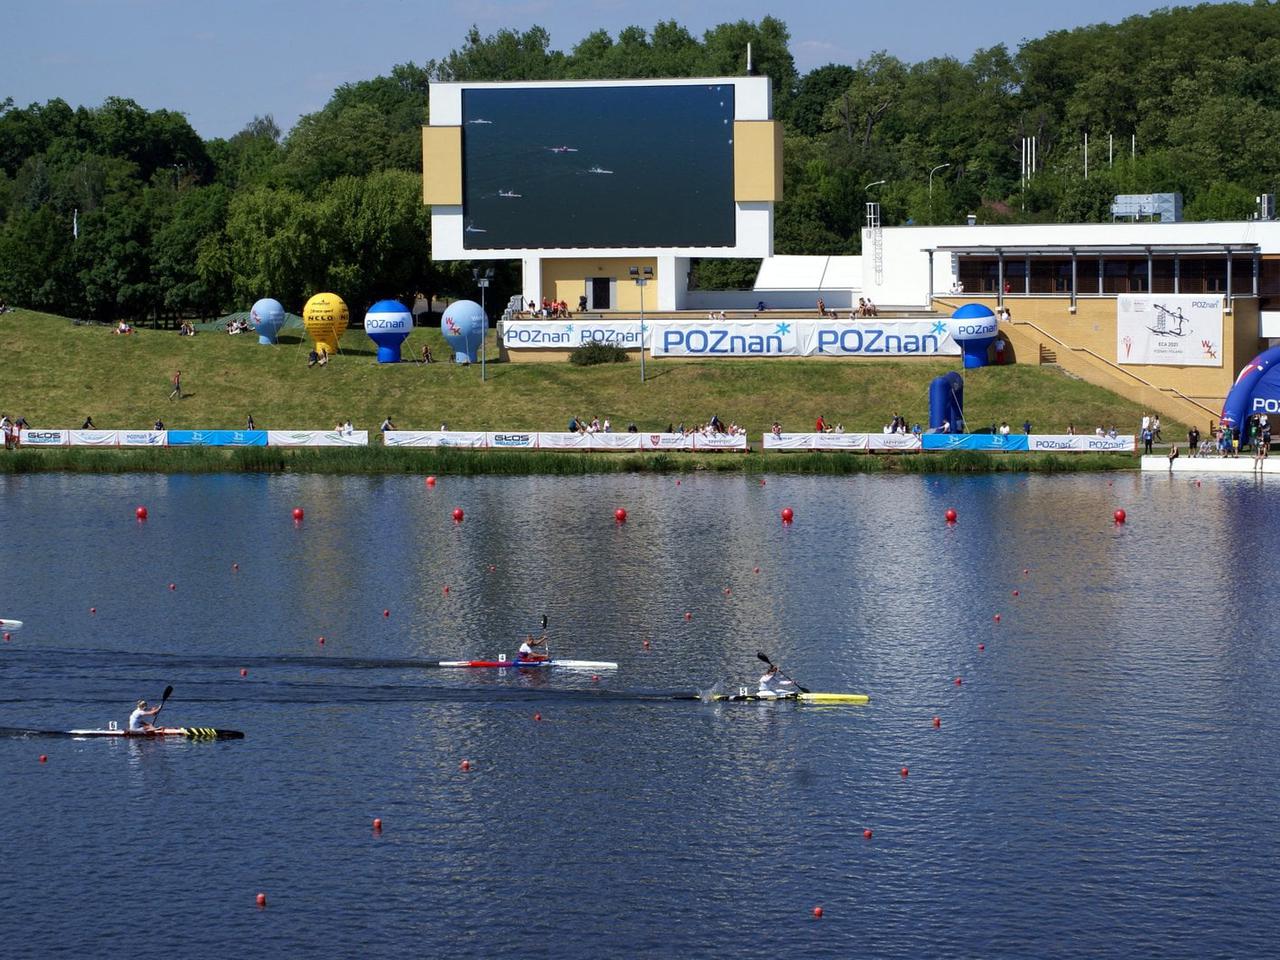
(512, 440)
(988, 442)
(1082, 443)
(144, 438)
(410, 438)
(95, 438)
(217, 438)
(841, 441)
(802, 338)
(1171, 329)
(615, 441)
(45, 438)
(666, 441)
(564, 441)
(317, 438)
(567, 334)
(719, 441)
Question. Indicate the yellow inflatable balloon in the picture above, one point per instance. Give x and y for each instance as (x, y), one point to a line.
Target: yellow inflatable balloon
(325, 316)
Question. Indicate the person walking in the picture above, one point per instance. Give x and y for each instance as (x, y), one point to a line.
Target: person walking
(176, 383)
(1193, 442)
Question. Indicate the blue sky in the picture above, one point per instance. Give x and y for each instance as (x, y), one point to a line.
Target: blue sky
(222, 61)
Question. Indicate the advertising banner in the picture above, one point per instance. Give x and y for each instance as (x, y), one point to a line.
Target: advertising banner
(95, 438)
(987, 442)
(317, 438)
(615, 441)
(1170, 329)
(666, 441)
(842, 441)
(564, 441)
(410, 438)
(719, 441)
(144, 438)
(802, 338)
(512, 440)
(1081, 443)
(217, 438)
(567, 334)
(45, 438)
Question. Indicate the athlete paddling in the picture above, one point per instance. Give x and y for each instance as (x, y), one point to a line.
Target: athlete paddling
(138, 721)
(773, 684)
(527, 652)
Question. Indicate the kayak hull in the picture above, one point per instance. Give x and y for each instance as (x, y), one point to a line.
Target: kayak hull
(10, 624)
(160, 733)
(530, 664)
(830, 698)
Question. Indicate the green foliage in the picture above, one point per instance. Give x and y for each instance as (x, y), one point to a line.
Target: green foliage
(723, 274)
(593, 353)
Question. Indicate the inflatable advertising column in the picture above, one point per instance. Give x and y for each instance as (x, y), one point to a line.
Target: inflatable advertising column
(463, 326)
(267, 317)
(973, 326)
(387, 323)
(325, 316)
(1256, 392)
(946, 402)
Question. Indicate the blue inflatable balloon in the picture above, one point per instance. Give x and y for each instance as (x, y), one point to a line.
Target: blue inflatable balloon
(463, 326)
(267, 317)
(387, 323)
(973, 326)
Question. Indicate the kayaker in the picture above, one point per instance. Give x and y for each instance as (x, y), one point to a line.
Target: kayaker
(526, 648)
(773, 684)
(137, 719)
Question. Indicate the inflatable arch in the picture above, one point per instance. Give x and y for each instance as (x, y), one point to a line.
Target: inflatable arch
(1256, 391)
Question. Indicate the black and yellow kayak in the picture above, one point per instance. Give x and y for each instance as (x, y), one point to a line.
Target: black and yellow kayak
(157, 733)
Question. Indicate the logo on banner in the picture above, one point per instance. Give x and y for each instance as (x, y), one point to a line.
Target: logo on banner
(1128, 346)
(512, 439)
(1169, 322)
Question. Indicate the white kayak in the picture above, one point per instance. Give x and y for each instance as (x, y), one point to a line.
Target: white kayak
(10, 624)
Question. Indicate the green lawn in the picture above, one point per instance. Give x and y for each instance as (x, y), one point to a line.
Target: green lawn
(57, 373)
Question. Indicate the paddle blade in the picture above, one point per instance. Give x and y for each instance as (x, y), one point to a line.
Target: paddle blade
(761, 656)
(167, 691)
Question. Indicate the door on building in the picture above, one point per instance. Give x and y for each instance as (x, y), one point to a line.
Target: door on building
(598, 292)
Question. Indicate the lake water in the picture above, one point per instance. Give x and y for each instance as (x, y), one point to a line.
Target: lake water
(1103, 783)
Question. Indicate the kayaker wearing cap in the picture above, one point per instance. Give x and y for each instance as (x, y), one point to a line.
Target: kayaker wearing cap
(774, 685)
(136, 719)
(526, 648)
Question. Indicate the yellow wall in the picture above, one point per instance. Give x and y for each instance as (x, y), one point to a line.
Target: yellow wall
(757, 161)
(442, 165)
(1093, 328)
(566, 280)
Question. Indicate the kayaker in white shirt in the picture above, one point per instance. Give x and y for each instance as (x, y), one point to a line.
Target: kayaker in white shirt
(772, 684)
(526, 649)
(137, 719)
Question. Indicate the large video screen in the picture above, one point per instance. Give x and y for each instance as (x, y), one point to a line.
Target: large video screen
(571, 167)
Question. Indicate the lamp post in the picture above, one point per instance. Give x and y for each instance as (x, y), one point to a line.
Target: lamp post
(941, 166)
(641, 276)
(874, 183)
(482, 281)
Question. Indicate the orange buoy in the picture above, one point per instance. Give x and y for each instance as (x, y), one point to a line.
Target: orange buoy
(620, 515)
(787, 515)
(951, 515)
(1120, 516)
(298, 514)
(430, 481)
(937, 722)
(261, 899)
(866, 834)
(141, 513)
(458, 515)
(817, 911)
(465, 765)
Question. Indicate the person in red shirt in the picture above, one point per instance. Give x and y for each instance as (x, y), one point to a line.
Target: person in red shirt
(821, 425)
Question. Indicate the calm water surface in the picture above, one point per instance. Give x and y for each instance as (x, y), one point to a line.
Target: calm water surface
(1103, 782)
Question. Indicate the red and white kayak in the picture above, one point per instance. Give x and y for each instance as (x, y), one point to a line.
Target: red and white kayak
(515, 663)
(189, 733)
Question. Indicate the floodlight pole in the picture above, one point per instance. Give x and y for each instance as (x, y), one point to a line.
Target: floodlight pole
(483, 282)
(641, 280)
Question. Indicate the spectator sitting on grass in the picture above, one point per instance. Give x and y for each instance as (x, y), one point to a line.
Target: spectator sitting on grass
(776, 428)
(88, 424)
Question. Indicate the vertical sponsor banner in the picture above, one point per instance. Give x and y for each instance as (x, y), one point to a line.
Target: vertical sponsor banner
(1170, 329)
(45, 438)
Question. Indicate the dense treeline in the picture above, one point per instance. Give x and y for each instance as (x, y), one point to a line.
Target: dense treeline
(119, 211)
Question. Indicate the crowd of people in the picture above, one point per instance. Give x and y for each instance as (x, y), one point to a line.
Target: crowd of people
(237, 326)
(553, 309)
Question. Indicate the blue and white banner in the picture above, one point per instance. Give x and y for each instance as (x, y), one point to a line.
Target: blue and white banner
(802, 338)
(217, 438)
(144, 438)
(567, 334)
(1017, 442)
(986, 442)
(511, 440)
(317, 438)
(1081, 443)
(841, 441)
(45, 438)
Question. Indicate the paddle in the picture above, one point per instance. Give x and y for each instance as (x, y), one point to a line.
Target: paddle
(761, 656)
(546, 646)
(167, 690)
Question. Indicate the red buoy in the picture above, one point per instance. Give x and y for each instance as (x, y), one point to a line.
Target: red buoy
(688, 615)
(756, 570)
(951, 515)
(981, 647)
(465, 765)
(537, 716)
(235, 568)
(1120, 516)
(261, 899)
(458, 514)
(297, 514)
(1025, 571)
(937, 722)
(173, 586)
(817, 911)
(762, 481)
(320, 640)
(44, 758)
(645, 643)
(377, 824)
(385, 614)
(141, 513)
(93, 609)
(728, 591)
(866, 834)
(903, 771)
(959, 680)
(446, 588)
(1015, 593)
(620, 515)
(7, 637)
(430, 481)
(996, 618)
(244, 672)
(787, 515)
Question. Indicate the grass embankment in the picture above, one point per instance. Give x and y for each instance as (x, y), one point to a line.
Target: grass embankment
(57, 373)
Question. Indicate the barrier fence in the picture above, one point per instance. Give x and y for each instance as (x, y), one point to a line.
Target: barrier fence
(589, 442)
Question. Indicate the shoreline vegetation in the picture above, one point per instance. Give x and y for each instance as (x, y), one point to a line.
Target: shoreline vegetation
(453, 461)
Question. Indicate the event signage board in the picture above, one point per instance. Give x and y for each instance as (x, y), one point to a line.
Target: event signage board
(1081, 443)
(45, 438)
(1017, 442)
(95, 438)
(144, 438)
(567, 334)
(520, 440)
(1169, 329)
(803, 338)
(841, 441)
(317, 438)
(217, 438)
